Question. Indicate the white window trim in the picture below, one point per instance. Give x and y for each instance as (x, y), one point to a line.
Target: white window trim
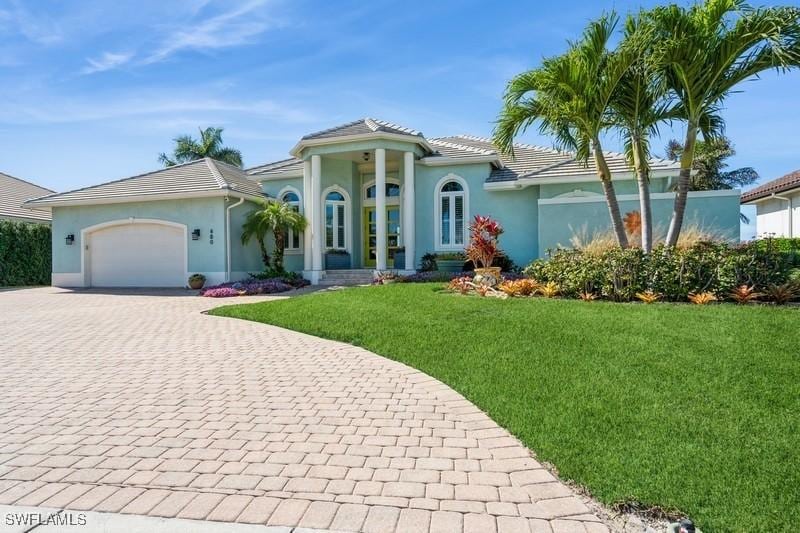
(287, 250)
(390, 200)
(348, 218)
(437, 222)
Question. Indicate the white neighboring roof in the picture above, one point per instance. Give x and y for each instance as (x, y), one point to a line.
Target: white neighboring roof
(204, 177)
(14, 192)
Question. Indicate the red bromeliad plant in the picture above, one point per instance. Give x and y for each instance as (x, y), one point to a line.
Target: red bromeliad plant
(483, 248)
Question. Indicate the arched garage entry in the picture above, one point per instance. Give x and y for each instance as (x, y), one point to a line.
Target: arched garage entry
(135, 252)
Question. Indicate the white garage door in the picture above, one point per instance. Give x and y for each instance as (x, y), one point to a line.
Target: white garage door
(137, 255)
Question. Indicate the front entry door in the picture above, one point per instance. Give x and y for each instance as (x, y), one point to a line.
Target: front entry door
(371, 237)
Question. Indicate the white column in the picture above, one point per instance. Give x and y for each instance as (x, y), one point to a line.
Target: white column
(308, 210)
(319, 223)
(380, 208)
(408, 209)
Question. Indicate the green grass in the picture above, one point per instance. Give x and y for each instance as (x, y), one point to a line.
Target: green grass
(681, 406)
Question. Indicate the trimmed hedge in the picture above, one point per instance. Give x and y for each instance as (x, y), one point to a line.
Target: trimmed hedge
(25, 254)
(619, 274)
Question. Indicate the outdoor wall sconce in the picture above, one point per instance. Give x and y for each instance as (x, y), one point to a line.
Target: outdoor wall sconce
(366, 157)
(196, 234)
(70, 239)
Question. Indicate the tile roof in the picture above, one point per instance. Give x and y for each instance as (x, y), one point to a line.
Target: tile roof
(14, 192)
(203, 175)
(360, 127)
(531, 161)
(784, 183)
(278, 167)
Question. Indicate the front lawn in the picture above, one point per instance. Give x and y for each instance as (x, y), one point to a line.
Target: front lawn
(675, 405)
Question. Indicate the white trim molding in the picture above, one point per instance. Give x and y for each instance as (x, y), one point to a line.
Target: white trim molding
(34, 204)
(524, 182)
(85, 275)
(340, 139)
(301, 207)
(348, 218)
(437, 222)
(626, 197)
(390, 200)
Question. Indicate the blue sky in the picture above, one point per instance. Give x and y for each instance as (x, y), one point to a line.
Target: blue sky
(91, 92)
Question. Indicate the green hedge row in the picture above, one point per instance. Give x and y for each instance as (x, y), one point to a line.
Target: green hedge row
(619, 274)
(25, 254)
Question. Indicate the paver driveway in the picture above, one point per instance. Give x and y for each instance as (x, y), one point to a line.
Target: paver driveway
(140, 404)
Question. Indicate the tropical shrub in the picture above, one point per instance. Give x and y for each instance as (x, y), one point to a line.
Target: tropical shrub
(744, 294)
(702, 298)
(549, 289)
(619, 274)
(782, 293)
(25, 254)
(648, 296)
(483, 241)
(519, 287)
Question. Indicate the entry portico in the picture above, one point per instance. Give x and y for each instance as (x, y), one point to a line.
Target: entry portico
(382, 190)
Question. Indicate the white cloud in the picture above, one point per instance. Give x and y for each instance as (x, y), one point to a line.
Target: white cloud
(37, 28)
(107, 61)
(232, 28)
(59, 111)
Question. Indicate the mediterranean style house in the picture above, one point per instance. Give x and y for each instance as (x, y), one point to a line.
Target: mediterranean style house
(777, 206)
(378, 196)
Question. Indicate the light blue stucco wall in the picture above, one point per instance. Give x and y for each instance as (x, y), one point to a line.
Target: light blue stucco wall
(530, 228)
(717, 213)
(516, 210)
(203, 213)
(245, 258)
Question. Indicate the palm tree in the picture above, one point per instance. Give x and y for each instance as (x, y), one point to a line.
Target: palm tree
(210, 145)
(569, 96)
(639, 105)
(256, 226)
(278, 217)
(704, 52)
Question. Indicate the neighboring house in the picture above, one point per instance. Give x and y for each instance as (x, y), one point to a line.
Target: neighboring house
(777, 206)
(368, 188)
(13, 193)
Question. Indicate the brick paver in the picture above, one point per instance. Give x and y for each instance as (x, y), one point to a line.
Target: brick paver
(139, 403)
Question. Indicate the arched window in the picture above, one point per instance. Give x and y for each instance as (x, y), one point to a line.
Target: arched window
(291, 197)
(451, 213)
(392, 190)
(335, 221)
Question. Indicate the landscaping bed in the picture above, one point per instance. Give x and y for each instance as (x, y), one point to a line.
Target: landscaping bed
(694, 408)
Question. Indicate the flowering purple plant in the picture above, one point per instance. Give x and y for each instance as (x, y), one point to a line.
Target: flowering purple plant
(219, 292)
(247, 287)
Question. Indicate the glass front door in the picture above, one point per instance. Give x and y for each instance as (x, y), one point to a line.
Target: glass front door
(371, 237)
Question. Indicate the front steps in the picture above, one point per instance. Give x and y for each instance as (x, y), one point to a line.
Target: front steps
(356, 276)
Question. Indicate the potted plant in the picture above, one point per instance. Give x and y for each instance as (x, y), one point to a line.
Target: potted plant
(196, 281)
(450, 262)
(400, 258)
(483, 248)
(337, 260)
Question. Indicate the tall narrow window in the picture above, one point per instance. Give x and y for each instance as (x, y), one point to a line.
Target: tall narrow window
(452, 213)
(335, 235)
(292, 239)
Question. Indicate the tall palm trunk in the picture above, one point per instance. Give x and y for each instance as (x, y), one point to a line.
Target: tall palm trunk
(645, 208)
(280, 245)
(684, 179)
(264, 254)
(611, 196)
